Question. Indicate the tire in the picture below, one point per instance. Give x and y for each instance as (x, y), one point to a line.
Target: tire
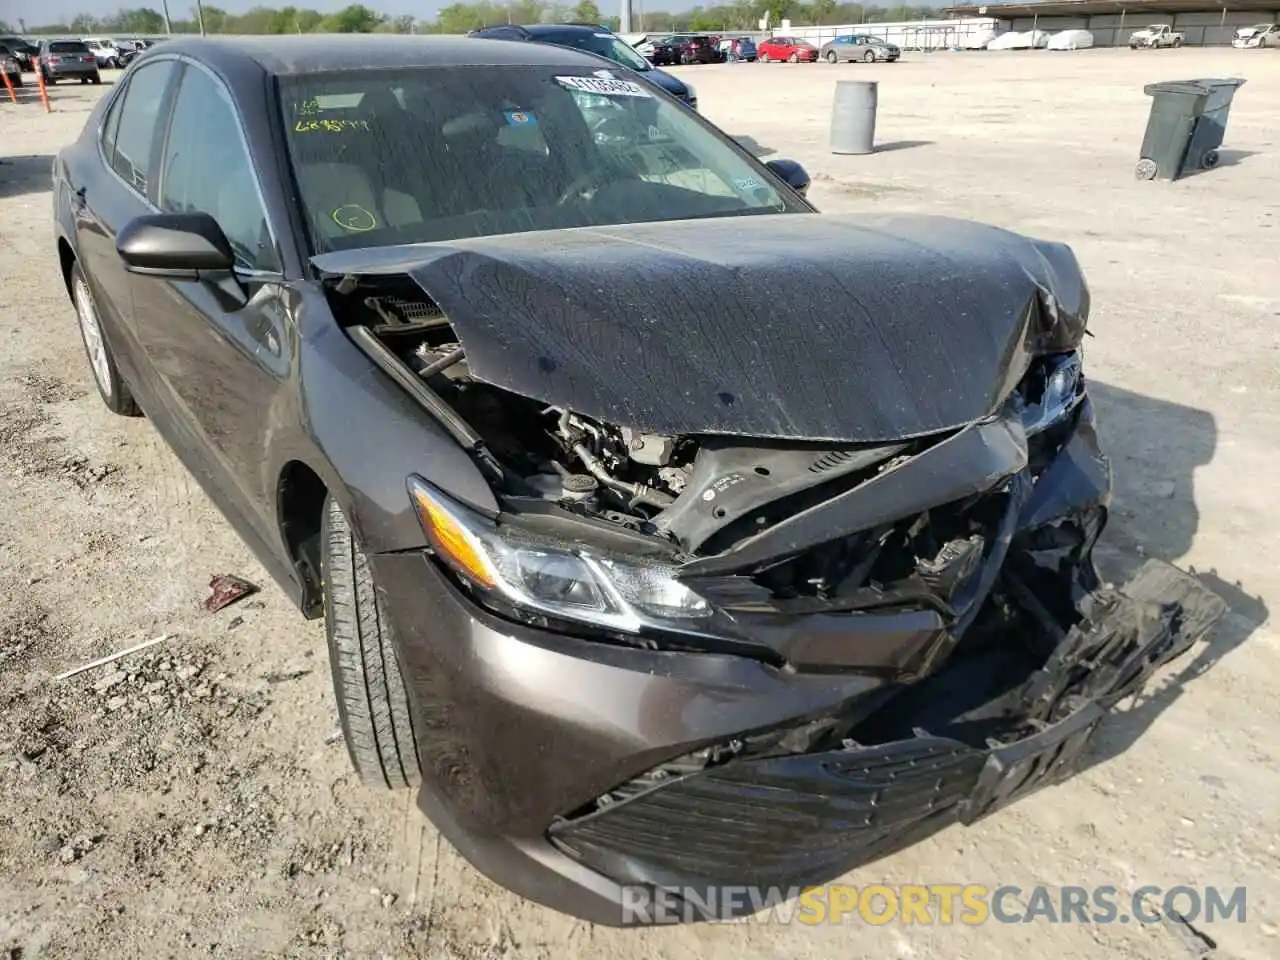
(96, 79)
(794, 58)
(1177, 42)
(49, 81)
(868, 57)
(764, 58)
(1146, 170)
(106, 375)
(1209, 160)
(373, 704)
(832, 57)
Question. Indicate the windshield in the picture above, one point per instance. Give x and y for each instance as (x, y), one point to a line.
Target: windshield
(429, 154)
(602, 44)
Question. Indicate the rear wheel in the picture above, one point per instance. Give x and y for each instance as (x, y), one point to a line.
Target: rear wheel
(373, 704)
(106, 375)
(1210, 160)
(96, 78)
(1177, 41)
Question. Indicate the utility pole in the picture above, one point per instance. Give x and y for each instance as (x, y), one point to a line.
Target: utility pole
(168, 27)
(200, 16)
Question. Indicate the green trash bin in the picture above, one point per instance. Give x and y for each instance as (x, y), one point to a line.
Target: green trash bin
(1185, 128)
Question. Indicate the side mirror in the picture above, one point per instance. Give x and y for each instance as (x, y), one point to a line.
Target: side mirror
(794, 175)
(176, 246)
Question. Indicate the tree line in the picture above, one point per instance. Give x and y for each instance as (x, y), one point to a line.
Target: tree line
(463, 17)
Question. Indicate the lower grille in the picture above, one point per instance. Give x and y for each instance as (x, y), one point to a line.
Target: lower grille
(777, 820)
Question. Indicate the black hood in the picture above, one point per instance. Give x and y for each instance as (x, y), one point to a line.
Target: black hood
(818, 327)
(672, 84)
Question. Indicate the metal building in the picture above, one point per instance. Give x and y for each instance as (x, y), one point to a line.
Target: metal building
(1112, 21)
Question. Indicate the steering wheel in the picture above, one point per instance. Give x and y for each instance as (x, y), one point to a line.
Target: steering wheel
(592, 178)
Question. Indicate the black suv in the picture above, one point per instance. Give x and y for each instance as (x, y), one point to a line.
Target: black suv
(593, 39)
(20, 50)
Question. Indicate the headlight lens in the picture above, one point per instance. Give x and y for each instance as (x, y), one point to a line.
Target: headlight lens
(1063, 389)
(563, 580)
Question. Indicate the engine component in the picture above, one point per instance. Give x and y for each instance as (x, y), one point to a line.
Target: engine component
(648, 448)
(729, 481)
(578, 486)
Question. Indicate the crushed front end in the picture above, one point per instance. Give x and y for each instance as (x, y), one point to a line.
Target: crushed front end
(732, 624)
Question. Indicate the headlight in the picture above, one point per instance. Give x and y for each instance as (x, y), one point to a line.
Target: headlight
(1055, 389)
(568, 581)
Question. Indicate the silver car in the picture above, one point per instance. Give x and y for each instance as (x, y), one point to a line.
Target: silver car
(858, 46)
(68, 60)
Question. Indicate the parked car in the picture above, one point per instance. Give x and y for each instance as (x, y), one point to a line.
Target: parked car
(744, 48)
(67, 60)
(597, 40)
(1070, 40)
(1154, 36)
(1259, 35)
(698, 48)
(10, 66)
(859, 46)
(786, 48)
(105, 51)
(634, 565)
(661, 51)
(1020, 40)
(21, 50)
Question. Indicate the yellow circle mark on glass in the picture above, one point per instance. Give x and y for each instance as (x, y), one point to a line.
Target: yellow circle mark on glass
(354, 218)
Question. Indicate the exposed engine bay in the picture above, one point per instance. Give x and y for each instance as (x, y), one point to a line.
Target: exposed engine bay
(705, 494)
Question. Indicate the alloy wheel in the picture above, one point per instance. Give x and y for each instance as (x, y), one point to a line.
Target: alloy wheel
(92, 330)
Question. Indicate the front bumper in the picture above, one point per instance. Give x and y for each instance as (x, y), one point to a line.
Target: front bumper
(570, 770)
(1251, 43)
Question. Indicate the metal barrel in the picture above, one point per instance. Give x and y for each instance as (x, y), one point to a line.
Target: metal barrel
(853, 116)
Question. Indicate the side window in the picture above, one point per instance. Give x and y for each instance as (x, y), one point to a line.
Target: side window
(111, 126)
(207, 170)
(136, 128)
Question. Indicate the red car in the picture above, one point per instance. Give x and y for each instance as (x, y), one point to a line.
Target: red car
(787, 48)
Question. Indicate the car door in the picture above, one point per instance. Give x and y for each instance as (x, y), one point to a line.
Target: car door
(221, 362)
(110, 192)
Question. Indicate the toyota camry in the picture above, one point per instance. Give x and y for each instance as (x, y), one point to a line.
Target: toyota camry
(667, 533)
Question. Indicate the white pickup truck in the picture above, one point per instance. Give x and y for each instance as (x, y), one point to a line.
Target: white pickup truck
(1156, 35)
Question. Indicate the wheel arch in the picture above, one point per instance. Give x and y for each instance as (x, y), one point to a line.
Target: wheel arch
(300, 500)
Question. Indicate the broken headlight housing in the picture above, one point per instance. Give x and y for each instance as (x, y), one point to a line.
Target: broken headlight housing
(564, 581)
(1051, 391)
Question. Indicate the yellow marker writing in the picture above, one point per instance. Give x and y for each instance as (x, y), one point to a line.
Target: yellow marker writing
(354, 218)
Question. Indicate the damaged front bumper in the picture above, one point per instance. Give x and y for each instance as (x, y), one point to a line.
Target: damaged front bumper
(568, 768)
(785, 819)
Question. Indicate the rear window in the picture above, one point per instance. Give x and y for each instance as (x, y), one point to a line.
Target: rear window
(67, 46)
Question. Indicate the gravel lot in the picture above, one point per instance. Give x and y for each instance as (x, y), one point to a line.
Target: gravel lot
(192, 800)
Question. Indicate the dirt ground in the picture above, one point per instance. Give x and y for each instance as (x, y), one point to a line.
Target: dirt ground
(194, 800)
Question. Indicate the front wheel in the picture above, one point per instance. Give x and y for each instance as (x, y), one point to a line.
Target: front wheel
(764, 58)
(373, 704)
(868, 57)
(832, 57)
(794, 58)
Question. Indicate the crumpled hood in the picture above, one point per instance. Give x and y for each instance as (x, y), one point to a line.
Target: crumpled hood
(798, 326)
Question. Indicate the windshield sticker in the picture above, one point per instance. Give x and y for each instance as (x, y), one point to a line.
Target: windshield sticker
(747, 183)
(354, 218)
(330, 126)
(520, 117)
(608, 88)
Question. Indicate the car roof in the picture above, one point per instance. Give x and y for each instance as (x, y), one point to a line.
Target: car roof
(288, 54)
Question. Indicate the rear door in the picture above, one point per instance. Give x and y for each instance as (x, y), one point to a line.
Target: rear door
(220, 365)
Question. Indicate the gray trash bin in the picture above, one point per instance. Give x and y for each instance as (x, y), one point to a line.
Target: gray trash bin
(853, 116)
(1186, 126)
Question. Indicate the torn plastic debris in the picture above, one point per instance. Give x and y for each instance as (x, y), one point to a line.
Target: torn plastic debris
(227, 589)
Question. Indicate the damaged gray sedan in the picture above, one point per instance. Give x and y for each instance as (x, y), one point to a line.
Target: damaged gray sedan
(669, 535)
